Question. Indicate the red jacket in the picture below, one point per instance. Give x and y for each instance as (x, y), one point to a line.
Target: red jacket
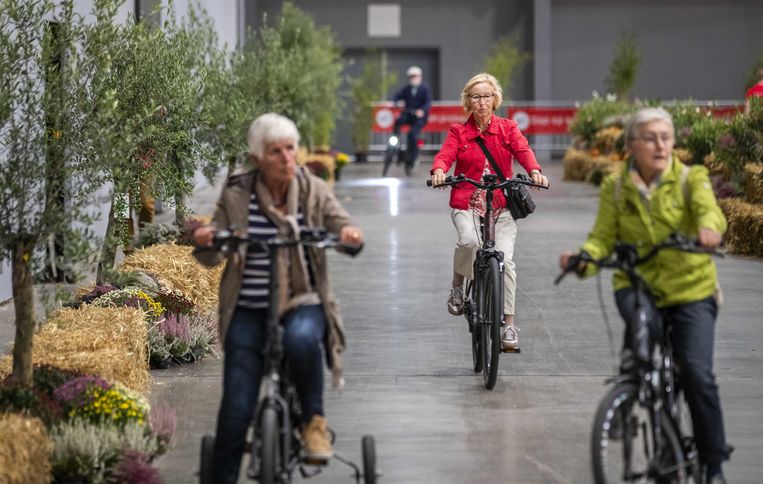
(502, 138)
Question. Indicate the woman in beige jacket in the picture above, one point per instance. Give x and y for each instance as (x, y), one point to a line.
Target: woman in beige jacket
(261, 202)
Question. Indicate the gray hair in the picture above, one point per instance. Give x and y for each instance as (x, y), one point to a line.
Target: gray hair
(268, 128)
(643, 116)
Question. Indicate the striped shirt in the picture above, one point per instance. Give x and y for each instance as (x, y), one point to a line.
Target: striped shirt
(255, 287)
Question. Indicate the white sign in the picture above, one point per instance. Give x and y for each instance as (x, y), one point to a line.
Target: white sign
(384, 20)
(384, 118)
(522, 119)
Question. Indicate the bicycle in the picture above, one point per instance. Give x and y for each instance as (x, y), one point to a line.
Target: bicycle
(394, 152)
(644, 412)
(483, 298)
(275, 447)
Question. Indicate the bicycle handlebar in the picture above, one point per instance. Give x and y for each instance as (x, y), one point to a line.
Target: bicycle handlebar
(519, 180)
(227, 242)
(626, 256)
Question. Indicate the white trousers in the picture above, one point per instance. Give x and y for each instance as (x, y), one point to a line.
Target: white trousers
(467, 224)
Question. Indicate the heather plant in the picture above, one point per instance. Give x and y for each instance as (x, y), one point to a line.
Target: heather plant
(134, 467)
(156, 233)
(92, 452)
(203, 328)
(177, 332)
(96, 292)
(163, 424)
(72, 393)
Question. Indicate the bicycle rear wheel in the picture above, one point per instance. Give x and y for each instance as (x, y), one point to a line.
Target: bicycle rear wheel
(623, 444)
(491, 310)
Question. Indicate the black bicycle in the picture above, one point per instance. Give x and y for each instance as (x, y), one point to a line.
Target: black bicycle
(483, 298)
(642, 429)
(275, 447)
(395, 153)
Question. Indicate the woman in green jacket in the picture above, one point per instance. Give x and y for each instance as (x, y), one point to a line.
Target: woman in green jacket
(654, 196)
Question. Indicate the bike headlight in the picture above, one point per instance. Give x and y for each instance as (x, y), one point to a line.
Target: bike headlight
(393, 141)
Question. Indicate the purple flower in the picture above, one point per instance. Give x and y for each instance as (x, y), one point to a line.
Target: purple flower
(684, 132)
(96, 292)
(176, 326)
(72, 390)
(134, 468)
(163, 421)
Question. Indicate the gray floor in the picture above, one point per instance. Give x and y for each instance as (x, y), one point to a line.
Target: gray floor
(409, 381)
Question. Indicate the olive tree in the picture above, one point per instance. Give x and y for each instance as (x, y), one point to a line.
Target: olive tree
(51, 127)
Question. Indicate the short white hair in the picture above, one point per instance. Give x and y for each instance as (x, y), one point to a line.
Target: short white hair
(268, 128)
(643, 116)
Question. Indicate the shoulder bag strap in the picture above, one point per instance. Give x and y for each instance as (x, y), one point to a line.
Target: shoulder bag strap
(489, 157)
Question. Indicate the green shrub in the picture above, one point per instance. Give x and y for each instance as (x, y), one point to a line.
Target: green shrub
(701, 139)
(596, 114)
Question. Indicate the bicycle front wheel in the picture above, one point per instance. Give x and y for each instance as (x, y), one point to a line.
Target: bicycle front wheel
(389, 155)
(623, 444)
(269, 445)
(475, 330)
(491, 311)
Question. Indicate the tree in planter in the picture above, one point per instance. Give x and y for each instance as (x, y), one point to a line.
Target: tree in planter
(365, 90)
(505, 60)
(624, 67)
(296, 72)
(49, 120)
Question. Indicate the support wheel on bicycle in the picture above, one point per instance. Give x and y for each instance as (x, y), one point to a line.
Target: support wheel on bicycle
(622, 443)
(490, 319)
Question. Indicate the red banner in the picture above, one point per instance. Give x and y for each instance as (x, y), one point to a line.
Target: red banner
(530, 119)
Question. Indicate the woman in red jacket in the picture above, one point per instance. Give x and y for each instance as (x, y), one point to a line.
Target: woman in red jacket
(481, 97)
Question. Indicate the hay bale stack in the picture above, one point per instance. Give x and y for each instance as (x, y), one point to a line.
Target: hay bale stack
(177, 269)
(24, 450)
(745, 232)
(575, 163)
(753, 182)
(109, 342)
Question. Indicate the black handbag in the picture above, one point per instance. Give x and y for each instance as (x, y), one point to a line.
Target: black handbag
(518, 197)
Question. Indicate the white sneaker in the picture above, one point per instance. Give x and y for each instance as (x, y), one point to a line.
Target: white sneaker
(456, 301)
(510, 338)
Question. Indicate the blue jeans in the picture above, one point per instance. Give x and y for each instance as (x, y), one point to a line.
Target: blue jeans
(416, 124)
(304, 329)
(693, 338)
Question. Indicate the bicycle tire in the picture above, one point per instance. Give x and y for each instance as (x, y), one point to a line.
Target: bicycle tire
(474, 329)
(269, 445)
(368, 446)
(619, 451)
(206, 461)
(491, 309)
(389, 155)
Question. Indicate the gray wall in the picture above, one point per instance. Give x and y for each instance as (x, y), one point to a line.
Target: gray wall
(462, 32)
(700, 49)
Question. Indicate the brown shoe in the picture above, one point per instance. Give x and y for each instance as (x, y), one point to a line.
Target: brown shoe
(317, 440)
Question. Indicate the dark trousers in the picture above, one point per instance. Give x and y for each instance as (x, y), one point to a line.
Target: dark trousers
(693, 338)
(304, 329)
(413, 135)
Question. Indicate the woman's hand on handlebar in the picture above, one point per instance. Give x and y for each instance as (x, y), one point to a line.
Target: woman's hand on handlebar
(539, 179)
(708, 238)
(351, 235)
(204, 236)
(438, 178)
(567, 258)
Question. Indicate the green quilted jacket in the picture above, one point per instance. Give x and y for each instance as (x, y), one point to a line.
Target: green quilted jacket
(673, 276)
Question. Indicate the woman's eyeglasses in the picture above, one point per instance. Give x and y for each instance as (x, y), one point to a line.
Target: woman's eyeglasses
(476, 98)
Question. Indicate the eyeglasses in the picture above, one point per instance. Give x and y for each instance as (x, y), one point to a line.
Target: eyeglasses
(476, 98)
(653, 140)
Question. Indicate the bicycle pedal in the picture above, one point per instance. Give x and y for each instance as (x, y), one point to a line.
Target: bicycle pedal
(314, 461)
(511, 350)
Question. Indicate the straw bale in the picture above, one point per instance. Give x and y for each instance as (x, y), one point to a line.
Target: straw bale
(575, 162)
(109, 342)
(177, 269)
(24, 450)
(745, 232)
(753, 182)
(606, 139)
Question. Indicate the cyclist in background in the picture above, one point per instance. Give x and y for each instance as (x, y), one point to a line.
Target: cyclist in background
(415, 99)
(654, 196)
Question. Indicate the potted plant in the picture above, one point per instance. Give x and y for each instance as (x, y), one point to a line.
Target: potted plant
(366, 89)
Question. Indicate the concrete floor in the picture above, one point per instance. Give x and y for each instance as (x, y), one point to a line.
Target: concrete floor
(409, 381)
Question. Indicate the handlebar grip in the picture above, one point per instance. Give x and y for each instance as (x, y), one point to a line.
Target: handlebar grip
(351, 250)
(429, 183)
